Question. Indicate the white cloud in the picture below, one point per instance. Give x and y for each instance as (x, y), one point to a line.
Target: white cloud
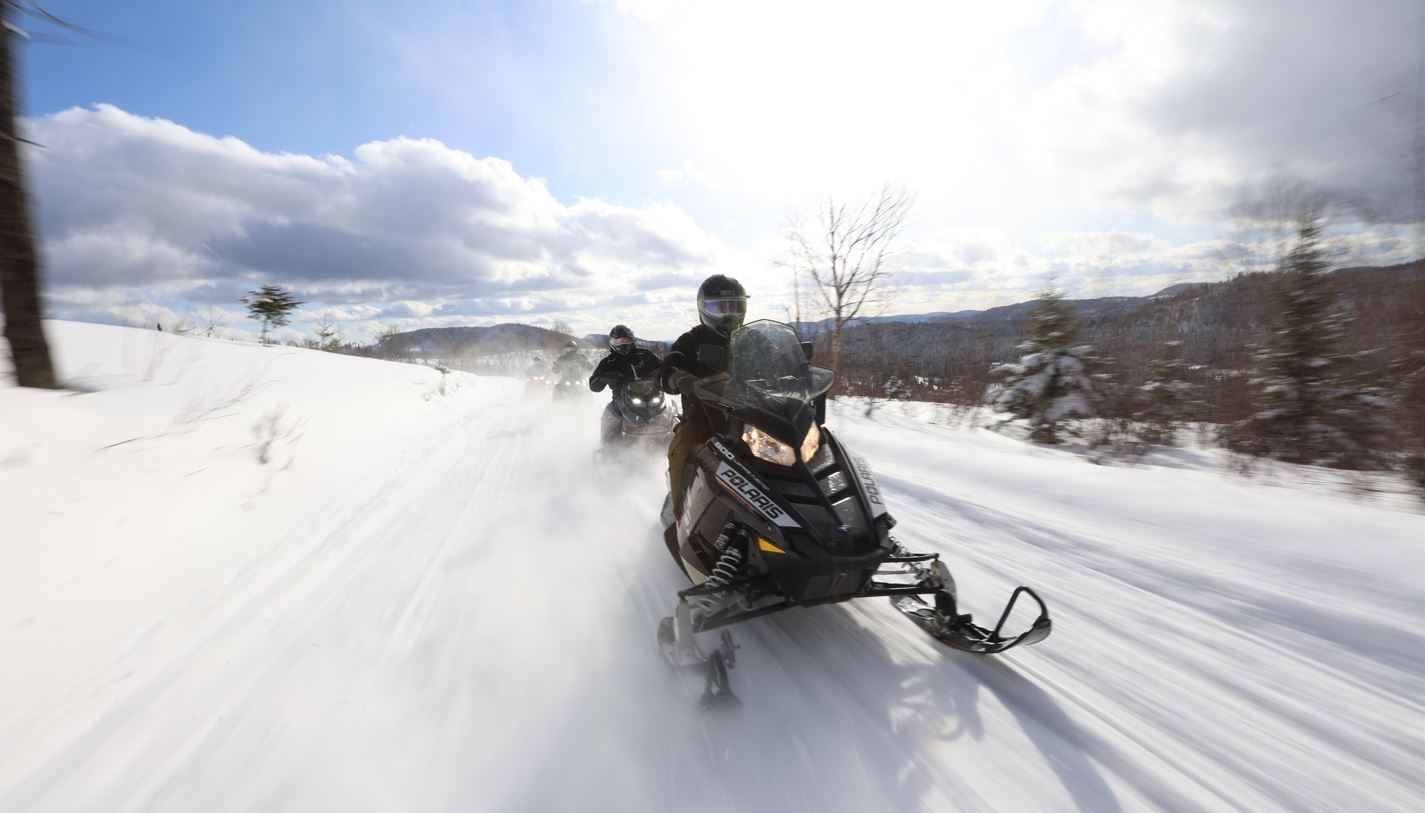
(428, 233)
(1035, 115)
(144, 219)
(1193, 101)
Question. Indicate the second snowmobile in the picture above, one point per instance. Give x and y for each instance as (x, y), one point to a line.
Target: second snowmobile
(777, 513)
(645, 421)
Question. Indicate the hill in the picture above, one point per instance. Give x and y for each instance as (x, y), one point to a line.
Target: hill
(1217, 324)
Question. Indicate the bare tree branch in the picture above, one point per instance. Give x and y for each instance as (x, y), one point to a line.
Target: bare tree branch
(849, 255)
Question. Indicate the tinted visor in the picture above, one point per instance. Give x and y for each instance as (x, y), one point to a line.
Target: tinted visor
(621, 341)
(731, 306)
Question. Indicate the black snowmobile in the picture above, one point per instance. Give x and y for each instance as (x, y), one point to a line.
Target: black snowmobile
(569, 383)
(779, 514)
(645, 419)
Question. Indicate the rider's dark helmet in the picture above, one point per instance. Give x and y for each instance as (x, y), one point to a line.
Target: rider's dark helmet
(571, 345)
(722, 303)
(621, 339)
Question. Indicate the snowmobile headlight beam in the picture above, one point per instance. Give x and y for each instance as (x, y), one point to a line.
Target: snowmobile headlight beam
(811, 443)
(636, 401)
(765, 447)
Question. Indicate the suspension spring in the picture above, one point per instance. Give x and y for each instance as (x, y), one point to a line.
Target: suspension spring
(726, 568)
(723, 571)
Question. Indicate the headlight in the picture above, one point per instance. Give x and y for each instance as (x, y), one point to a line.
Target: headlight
(811, 443)
(655, 400)
(636, 401)
(765, 447)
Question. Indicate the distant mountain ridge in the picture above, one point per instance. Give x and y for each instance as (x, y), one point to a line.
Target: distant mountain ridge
(510, 337)
(1083, 307)
(1199, 313)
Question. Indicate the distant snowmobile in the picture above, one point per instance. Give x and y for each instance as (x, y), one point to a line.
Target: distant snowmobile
(537, 379)
(569, 372)
(570, 389)
(645, 419)
(779, 514)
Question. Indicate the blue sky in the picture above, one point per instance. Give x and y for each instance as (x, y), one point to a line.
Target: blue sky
(590, 159)
(323, 76)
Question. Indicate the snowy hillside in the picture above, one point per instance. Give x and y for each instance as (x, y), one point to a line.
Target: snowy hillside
(427, 599)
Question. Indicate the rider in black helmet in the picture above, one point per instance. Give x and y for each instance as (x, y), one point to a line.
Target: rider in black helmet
(571, 363)
(722, 306)
(625, 362)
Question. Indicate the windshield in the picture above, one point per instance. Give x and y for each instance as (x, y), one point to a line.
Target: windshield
(767, 366)
(642, 388)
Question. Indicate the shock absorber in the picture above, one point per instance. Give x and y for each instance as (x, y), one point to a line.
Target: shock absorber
(724, 570)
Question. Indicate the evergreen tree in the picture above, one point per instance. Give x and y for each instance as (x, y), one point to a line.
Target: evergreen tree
(1311, 404)
(1168, 399)
(328, 338)
(1051, 384)
(272, 305)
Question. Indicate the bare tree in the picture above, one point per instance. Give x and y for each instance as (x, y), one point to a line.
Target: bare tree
(210, 322)
(848, 256)
(386, 341)
(19, 262)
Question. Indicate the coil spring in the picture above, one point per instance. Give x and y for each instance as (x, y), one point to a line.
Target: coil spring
(723, 572)
(726, 567)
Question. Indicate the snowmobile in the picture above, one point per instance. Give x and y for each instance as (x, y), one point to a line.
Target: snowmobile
(645, 420)
(536, 386)
(570, 389)
(778, 513)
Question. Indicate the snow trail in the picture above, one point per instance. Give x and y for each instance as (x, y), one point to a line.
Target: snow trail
(465, 620)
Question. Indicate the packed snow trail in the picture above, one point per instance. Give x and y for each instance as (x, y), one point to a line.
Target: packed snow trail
(469, 624)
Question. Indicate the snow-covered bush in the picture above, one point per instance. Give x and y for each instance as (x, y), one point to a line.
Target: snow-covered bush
(1052, 383)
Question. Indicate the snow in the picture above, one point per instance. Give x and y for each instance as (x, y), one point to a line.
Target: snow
(435, 602)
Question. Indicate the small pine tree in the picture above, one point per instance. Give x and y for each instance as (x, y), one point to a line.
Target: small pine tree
(1051, 385)
(1168, 399)
(328, 338)
(1311, 406)
(272, 305)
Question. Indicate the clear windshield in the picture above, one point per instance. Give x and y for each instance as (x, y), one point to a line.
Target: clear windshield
(766, 365)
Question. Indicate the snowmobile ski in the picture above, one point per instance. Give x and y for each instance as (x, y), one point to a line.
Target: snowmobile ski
(675, 640)
(960, 632)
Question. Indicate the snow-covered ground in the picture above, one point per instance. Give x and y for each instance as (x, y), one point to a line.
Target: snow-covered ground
(430, 600)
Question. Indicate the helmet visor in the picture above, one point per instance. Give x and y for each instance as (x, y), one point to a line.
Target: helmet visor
(621, 341)
(730, 306)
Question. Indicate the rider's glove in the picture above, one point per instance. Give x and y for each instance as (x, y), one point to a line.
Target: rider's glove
(682, 381)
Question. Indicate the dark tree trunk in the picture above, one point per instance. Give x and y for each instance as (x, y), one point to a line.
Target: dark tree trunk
(19, 264)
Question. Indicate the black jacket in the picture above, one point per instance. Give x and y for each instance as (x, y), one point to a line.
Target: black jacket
(684, 356)
(570, 365)
(631, 366)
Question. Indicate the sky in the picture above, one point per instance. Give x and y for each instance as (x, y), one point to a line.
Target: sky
(442, 163)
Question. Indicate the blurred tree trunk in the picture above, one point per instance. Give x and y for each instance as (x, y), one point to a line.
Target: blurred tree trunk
(19, 264)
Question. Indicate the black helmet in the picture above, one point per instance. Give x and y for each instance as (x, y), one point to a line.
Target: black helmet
(722, 303)
(571, 345)
(621, 339)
